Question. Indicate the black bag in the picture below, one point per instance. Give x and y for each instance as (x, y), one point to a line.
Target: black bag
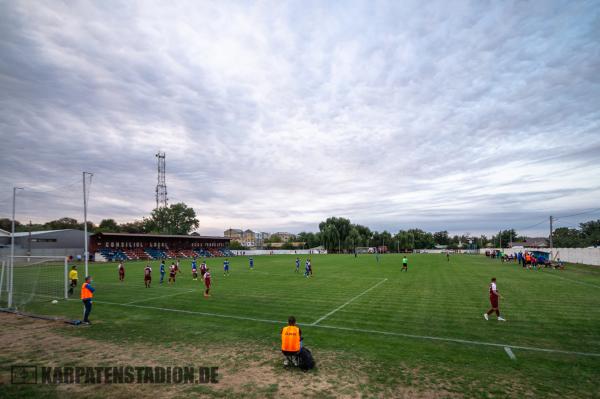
(305, 359)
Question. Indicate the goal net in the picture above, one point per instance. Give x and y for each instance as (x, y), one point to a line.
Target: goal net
(365, 250)
(29, 283)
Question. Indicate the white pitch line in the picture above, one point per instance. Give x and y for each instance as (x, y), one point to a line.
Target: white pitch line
(347, 303)
(158, 297)
(360, 330)
(193, 312)
(573, 281)
(510, 353)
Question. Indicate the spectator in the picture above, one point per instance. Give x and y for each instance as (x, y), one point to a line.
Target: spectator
(291, 341)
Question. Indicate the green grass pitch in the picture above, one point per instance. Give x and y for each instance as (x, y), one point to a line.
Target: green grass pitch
(423, 328)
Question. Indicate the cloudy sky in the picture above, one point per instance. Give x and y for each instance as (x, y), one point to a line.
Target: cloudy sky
(466, 116)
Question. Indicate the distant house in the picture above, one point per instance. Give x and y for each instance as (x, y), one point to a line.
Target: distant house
(234, 234)
(532, 242)
(284, 236)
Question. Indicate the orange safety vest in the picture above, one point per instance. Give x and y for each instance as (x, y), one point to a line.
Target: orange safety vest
(85, 292)
(290, 339)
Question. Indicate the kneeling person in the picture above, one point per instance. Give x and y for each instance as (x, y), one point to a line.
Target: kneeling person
(291, 337)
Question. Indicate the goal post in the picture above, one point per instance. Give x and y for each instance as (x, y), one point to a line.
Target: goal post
(365, 250)
(28, 280)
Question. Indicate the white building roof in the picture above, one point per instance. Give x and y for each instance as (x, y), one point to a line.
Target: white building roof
(35, 233)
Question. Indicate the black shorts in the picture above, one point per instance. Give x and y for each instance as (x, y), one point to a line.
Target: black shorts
(74, 283)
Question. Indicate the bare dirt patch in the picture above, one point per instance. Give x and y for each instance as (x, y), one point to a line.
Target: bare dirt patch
(244, 371)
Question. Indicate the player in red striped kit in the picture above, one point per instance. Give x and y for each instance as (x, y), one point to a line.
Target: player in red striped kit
(494, 297)
(207, 282)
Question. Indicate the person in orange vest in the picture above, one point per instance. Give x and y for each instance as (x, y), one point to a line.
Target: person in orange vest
(291, 341)
(87, 293)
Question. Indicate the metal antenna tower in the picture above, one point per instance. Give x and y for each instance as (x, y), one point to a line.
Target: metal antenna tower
(161, 186)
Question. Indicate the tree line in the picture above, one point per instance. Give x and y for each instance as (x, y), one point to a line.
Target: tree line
(336, 234)
(341, 235)
(174, 219)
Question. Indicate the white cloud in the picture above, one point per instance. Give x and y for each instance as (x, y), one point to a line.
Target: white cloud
(277, 115)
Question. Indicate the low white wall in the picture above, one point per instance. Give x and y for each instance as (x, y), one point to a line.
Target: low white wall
(587, 256)
(255, 252)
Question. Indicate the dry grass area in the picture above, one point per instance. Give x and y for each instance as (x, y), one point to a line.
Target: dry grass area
(244, 372)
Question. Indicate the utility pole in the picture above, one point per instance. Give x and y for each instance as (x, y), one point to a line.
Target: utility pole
(29, 241)
(85, 230)
(551, 243)
(500, 237)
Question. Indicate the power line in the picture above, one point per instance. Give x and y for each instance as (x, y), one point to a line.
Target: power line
(578, 214)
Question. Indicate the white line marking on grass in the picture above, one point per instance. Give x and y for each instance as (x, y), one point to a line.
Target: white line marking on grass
(510, 353)
(358, 330)
(460, 341)
(573, 281)
(347, 303)
(193, 312)
(158, 297)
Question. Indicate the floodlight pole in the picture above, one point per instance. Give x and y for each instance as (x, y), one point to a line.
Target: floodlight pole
(12, 247)
(85, 232)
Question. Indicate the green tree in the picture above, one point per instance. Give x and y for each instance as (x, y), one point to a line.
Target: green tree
(507, 236)
(353, 240)
(564, 237)
(174, 219)
(591, 233)
(108, 225)
(63, 223)
(441, 238)
(311, 239)
(335, 230)
(6, 224)
(236, 245)
(135, 227)
(365, 234)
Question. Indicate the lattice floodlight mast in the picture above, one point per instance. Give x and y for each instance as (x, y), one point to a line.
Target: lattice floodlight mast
(161, 186)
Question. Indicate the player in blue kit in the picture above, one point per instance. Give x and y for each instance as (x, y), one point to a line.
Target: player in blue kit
(297, 265)
(226, 267)
(251, 260)
(194, 270)
(308, 269)
(162, 271)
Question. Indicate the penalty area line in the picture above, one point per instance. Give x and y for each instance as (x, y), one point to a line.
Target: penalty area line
(347, 303)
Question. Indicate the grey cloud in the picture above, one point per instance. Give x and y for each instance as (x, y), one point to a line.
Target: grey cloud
(276, 115)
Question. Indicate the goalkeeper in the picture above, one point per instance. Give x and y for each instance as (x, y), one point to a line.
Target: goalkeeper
(73, 276)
